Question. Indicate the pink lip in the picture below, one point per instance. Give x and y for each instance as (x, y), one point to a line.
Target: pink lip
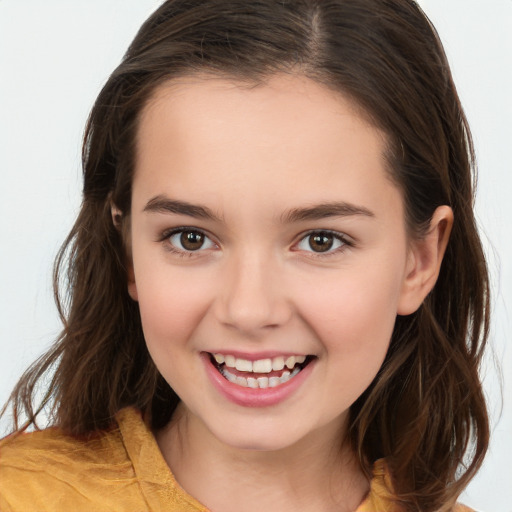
(249, 397)
(255, 357)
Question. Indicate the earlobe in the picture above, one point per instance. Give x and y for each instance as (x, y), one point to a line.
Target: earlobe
(117, 220)
(117, 216)
(424, 261)
(132, 286)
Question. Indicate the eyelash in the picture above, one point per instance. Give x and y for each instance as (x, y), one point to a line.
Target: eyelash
(337, 236)
(184, 253)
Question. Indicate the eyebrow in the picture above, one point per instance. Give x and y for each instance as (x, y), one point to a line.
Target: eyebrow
(162, 204)
(324, 210)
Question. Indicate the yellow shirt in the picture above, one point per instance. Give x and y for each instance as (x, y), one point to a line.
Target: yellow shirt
(120, 470)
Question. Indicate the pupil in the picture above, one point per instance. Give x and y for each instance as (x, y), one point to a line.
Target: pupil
(192, 240)
(321, 242)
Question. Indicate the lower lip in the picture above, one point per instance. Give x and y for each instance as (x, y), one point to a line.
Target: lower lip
(250, 397)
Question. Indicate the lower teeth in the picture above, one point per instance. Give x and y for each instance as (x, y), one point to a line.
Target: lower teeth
(260, 382)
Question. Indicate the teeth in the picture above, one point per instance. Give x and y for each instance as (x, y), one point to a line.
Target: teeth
(263, 382)
(261, 365)
(230, 361)
(241, 381)
(290, 362)
(231, 377)
(285, 377)
(260, 382)
(277, 363)
(243, 366)
(252, 383)
(273, 382)
(297, 370)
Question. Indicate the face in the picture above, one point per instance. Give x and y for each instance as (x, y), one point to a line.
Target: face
(270, 256)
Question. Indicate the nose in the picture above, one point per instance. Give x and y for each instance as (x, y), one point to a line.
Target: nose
(253, 296)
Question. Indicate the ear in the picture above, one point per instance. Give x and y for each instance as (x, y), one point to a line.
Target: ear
(424, 261)
(117, 220)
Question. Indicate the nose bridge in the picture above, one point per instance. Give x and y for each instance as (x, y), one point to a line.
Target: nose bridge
(253, 298)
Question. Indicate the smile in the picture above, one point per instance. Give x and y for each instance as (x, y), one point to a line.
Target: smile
(260, 373)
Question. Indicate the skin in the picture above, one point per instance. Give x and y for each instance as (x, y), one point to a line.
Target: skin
(250, 156)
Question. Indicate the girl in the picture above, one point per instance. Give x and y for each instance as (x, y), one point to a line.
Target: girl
(277, 295)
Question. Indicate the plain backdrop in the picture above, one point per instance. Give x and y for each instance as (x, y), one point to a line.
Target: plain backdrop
(54, 57)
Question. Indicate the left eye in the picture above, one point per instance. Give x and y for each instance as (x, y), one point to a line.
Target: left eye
(321, 241)
(190, 240)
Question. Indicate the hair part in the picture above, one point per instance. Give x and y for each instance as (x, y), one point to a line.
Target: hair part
(425, 408)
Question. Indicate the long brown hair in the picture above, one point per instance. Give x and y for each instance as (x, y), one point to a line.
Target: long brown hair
(425, 411)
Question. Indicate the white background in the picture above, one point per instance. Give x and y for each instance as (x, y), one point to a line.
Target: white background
(54, 57)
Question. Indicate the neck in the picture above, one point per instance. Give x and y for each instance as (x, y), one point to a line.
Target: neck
(309, 475)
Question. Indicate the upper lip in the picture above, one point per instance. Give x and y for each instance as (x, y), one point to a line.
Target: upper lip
(257, 356)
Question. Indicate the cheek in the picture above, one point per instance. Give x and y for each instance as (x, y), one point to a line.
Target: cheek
(354, 312)
(354, 324)
(171, 305)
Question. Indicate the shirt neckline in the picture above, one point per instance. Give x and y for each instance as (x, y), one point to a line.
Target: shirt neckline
(159, 486)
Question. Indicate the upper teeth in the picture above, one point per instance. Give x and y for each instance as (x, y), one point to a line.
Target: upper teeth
(260, 365)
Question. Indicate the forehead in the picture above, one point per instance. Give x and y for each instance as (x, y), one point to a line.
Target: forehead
(300, 98)
(289, 135)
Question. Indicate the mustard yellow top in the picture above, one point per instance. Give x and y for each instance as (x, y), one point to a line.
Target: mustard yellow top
(120, 470)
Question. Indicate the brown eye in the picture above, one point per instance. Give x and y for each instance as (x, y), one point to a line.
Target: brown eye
(321, 242)
(190, 240)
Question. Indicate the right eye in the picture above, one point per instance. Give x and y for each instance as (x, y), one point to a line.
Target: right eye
(189, 240)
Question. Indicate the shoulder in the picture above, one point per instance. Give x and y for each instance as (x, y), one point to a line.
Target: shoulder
(121, 469)
(29, 450)
(50, 470)
(382, 498)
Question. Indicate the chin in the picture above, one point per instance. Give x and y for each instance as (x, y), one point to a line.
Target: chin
(260, 436)
(258, 444)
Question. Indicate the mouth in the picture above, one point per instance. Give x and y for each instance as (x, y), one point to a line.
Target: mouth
(260, 373)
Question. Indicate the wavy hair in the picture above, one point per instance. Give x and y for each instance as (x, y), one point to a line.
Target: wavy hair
(424, 412)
